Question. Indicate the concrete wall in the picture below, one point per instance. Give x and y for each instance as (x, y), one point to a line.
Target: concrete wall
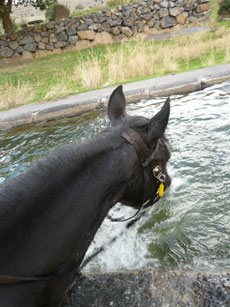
(103, 27)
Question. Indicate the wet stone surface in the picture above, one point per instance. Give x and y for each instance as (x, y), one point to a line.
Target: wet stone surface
(150, 288)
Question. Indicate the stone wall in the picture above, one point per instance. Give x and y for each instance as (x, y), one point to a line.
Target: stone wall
(103, 27)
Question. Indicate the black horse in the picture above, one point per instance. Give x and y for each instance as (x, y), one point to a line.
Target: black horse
(50, 214)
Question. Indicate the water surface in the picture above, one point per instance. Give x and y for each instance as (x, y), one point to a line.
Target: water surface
(190, 227)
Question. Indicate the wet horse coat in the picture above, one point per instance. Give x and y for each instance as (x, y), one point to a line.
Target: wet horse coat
(50, 214)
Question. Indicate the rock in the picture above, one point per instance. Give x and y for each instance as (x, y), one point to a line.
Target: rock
(26, 55)
(44, 34)
(14, 36)
(26, 40)
(6, 52)
(116, 30)
(72, 40)
(182, 18)
(4, 43)
(42, 53)
(148, 16)
(103, 38)
(95, 27)
(140, 26)
(83, 44)
(88, 21)
(44, 28)
(62, 36)
(20, 49)
(3, 37)
(75, 21)
(30, 47)
(71, 31)
(126, 31)
(83, 27)
(38, 29)
(192, 19)
(60, 44)
(52, 38)
(37, 37)
(168, 22)
(164, 3)
(115, 22)
(89, 34)
(13, 45)
(41, 46)
(175, 11)
(106, 27)
(16, 57)
(45, 40)
(189, 5)
(49, 47)
(119, 38)
(128, 22)
(203, 7)
(151, 23)
(163, 12)
(50, 25)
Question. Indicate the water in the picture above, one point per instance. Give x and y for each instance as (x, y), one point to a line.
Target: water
(189, 228)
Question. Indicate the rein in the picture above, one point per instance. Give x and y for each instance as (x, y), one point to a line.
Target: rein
(146, 157)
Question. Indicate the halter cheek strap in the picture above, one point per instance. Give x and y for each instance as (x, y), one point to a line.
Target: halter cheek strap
(146, 157)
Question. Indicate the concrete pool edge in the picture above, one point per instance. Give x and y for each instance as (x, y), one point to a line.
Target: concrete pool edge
(150, 288)
(181, 83)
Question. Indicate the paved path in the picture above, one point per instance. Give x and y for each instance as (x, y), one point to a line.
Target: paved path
(181, 83)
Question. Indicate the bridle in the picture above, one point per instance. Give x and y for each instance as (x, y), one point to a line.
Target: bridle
(146, 157)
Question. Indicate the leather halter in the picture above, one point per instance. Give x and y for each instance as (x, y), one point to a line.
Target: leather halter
(146, 157)
(143, 152)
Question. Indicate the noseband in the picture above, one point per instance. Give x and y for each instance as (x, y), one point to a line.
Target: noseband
(146, 157)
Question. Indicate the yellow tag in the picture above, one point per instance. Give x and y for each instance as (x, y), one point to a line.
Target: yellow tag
(161, 190)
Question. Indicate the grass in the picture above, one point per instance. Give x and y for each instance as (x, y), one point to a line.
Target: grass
(77, 71)
(111, 4)
(81, 12)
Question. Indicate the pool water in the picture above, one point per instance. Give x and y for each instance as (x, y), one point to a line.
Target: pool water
(189, 228)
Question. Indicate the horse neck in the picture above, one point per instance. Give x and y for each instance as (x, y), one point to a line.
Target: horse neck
(64, 219)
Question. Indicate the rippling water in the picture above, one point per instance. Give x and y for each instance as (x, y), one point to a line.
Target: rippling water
(190, 227)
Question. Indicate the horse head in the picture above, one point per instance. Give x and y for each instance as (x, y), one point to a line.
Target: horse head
(148, 151)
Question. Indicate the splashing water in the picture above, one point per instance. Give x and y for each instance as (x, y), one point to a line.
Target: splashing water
(189, 228)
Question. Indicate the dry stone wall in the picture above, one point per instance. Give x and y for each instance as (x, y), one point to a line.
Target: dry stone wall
(103, 27)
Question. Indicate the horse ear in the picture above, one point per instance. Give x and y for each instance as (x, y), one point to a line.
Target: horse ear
(158, 123)
(117, 105)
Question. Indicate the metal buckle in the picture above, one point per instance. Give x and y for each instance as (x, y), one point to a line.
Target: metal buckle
(158, 174)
